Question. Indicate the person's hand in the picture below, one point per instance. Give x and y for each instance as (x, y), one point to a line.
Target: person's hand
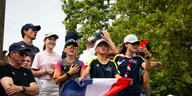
(158, 65)
(53, 65)
(13, 89)
(50, 71)
(79, 79)
(74, 69)
(131, 82)
(106, 35)
(144, 50)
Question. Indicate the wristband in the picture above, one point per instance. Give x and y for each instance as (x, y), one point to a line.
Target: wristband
(24, 88)
(68, 75)
(147, 56)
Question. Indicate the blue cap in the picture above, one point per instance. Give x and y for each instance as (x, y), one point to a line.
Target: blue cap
(73, 35)
(18, 47)
(29, 25)
(69, 42)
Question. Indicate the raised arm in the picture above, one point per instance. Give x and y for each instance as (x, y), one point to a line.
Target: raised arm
(146, 65)
(113, 48)
(157, 64)
(86, 72)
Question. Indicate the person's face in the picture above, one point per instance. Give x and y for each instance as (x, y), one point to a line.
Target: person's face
(27, 62)
(102, 48)
(71, 50)
(132, 47)
(18, 56)
(31, 33)
(50, 42)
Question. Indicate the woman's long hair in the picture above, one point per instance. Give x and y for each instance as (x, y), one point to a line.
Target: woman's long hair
(123, 48)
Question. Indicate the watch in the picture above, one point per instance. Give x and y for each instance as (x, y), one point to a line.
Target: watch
(68, 75)
(24, 88)
(148, 56)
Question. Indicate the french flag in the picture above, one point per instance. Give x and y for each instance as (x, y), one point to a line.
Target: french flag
(95, 87)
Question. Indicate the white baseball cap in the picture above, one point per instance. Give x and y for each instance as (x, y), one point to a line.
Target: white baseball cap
(51, 34)
(100, 41)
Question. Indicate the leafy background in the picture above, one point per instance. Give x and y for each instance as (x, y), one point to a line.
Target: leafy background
(166, 24)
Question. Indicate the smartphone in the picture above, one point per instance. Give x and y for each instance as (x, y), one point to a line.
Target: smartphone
(143, 42)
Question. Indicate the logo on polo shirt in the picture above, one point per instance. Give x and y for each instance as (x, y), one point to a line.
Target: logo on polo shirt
(22, 46)
(109, 69)
(13, 73)
(97, 65)
(25, 74)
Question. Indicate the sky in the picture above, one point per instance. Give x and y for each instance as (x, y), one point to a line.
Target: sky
(46, 13)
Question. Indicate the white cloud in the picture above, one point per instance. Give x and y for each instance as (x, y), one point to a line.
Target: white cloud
(47, 13)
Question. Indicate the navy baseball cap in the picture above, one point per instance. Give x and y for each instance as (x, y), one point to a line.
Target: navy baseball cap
(69, 42)
(29, 25)
(18, 47)
(73, 35)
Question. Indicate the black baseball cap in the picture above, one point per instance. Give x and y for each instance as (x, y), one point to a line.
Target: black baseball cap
(29, 25)
(73, 35)
(69, 42)
(18, 47)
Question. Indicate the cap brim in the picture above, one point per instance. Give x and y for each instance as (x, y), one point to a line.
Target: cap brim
(37, 27)
(133, 42)
(80, 36)
(54, 36)
(103, 41)
(74, 43)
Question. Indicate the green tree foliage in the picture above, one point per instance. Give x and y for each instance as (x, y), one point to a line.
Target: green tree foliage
(90, 15)
(166, 24)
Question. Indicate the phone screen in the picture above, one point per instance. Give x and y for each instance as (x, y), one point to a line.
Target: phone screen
(143, 42)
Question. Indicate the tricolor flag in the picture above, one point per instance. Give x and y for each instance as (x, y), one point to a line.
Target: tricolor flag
(95, 87)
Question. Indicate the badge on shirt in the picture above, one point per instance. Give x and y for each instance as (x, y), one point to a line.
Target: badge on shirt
(25, 74)
(97, 65)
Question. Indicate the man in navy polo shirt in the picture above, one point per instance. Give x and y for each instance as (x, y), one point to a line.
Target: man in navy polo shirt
(29, 33)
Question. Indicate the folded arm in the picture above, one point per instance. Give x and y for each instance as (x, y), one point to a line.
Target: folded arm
(15, 90)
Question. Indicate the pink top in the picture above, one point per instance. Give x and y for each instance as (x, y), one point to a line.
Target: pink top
(43, 61)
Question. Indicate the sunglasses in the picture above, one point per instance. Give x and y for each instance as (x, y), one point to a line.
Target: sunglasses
(136, 43)
(21, 53)
(33, 29)
(72, 46)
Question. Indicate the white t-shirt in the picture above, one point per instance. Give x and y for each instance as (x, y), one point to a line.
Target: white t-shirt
(87, 54)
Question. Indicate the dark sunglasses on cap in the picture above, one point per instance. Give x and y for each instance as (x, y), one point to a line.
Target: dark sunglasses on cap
(136, 43)
(21, 53)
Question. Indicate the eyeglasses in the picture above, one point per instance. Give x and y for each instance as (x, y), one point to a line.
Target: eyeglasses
(21, 53)
(136, 43)
(72, 46)
(33, 29)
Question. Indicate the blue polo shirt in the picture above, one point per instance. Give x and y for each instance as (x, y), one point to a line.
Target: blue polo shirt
(129, 68)
(101, 70)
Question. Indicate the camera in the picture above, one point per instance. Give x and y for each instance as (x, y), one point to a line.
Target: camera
(98, 36)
